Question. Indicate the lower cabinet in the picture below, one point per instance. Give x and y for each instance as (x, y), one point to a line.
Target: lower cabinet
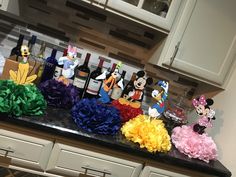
(149, 171)
(72, 161)
(23, 150)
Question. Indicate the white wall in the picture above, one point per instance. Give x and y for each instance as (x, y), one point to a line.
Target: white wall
(224, 130)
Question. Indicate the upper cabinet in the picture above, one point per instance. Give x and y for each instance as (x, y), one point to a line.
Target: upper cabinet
(11, 6)
(160, 13)
(202, 43)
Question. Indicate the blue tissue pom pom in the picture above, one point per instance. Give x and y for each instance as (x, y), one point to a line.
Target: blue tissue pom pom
(94, 117)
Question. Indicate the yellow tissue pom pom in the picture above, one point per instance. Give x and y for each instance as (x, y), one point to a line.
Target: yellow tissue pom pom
(149, 133)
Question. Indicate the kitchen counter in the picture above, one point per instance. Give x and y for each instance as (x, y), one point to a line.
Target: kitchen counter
(63, 125)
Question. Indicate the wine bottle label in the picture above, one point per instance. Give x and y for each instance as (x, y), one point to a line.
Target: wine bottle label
(57, 72)
(116, 93)
(93, 86)
(80, 79)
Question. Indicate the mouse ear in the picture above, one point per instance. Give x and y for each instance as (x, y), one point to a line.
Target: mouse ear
(149, 81)
(140, 73)
(209, 101)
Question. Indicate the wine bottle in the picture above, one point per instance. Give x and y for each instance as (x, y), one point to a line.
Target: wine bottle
(42, 49)
(129, 85)
(31, 45)
(81, 75)
(94, 85)
(40, 57)
(58, 68)
(117, 91)
(16, 50)
(49, 66)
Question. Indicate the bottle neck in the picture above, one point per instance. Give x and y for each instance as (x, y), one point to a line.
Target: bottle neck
(123, 74)
(53, 54)
(100, 64)
(86, 61)
(113, 67)
(20, 40)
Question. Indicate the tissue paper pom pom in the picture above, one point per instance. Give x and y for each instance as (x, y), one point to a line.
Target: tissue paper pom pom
(58, 94)
(28, 100)
(126, 111)
(20, 100)
(6, 88)
(149, 133)
(193, 144)
(97, 118)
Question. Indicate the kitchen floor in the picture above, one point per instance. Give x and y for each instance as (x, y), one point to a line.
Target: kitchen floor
(6, 172)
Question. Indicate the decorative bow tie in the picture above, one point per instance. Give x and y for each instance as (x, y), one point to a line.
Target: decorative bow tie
(200, 101)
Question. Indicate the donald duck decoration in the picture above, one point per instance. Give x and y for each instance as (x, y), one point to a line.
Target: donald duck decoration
(160, 95)
(69, 63)
(21, 76)
(109, 81)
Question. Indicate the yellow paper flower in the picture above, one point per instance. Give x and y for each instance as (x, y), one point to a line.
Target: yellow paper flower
(149, 133)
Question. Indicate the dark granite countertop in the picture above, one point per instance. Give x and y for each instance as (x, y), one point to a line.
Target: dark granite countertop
(59, 122)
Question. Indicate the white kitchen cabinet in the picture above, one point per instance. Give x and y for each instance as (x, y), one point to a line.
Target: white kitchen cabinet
(159, 13)
(72, 161)
(149, 171)
(202, 43)
(11, 6)
(26, 151)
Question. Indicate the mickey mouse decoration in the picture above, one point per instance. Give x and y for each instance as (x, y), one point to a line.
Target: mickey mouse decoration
(160, 95)
(133, 93)
(202, 107)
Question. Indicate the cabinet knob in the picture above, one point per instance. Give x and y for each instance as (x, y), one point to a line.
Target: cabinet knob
(88, 168)
(174, 54)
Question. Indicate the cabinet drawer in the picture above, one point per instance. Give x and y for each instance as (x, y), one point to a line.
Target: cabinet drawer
(27, 151)
(71, 161)
(149, 171)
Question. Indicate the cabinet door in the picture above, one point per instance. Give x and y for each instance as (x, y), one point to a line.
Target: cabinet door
(149, 171)
(72, 161)
(204, 47)
(160, 13)
(25, 150)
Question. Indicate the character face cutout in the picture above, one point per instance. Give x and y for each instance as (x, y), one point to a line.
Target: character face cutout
(24, 51)
(140, 83)
(157, 95)
(201, 110)
(116, 73)
(71, 52)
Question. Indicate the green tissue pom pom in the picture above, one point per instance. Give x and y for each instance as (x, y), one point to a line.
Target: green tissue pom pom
(21, 100)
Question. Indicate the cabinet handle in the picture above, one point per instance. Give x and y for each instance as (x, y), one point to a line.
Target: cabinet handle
(103, 172)
(4, 160)
(174, 54)
(6, 151)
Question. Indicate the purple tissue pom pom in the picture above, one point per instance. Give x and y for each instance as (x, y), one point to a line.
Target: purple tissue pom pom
(58, 94)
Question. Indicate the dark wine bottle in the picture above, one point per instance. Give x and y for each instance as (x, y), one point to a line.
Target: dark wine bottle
(129, 85)
(81, 75)
(49, 66)
(31, 45)
(94, 85)
(16, 50)
(58, 68)
(117, 91)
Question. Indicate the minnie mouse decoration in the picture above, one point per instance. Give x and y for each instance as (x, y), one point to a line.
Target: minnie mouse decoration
(202, 106)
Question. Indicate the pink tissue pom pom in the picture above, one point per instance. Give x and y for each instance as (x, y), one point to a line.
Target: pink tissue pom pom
(194, 145)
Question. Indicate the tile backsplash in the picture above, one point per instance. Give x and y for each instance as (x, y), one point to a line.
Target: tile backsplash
(93, 30)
